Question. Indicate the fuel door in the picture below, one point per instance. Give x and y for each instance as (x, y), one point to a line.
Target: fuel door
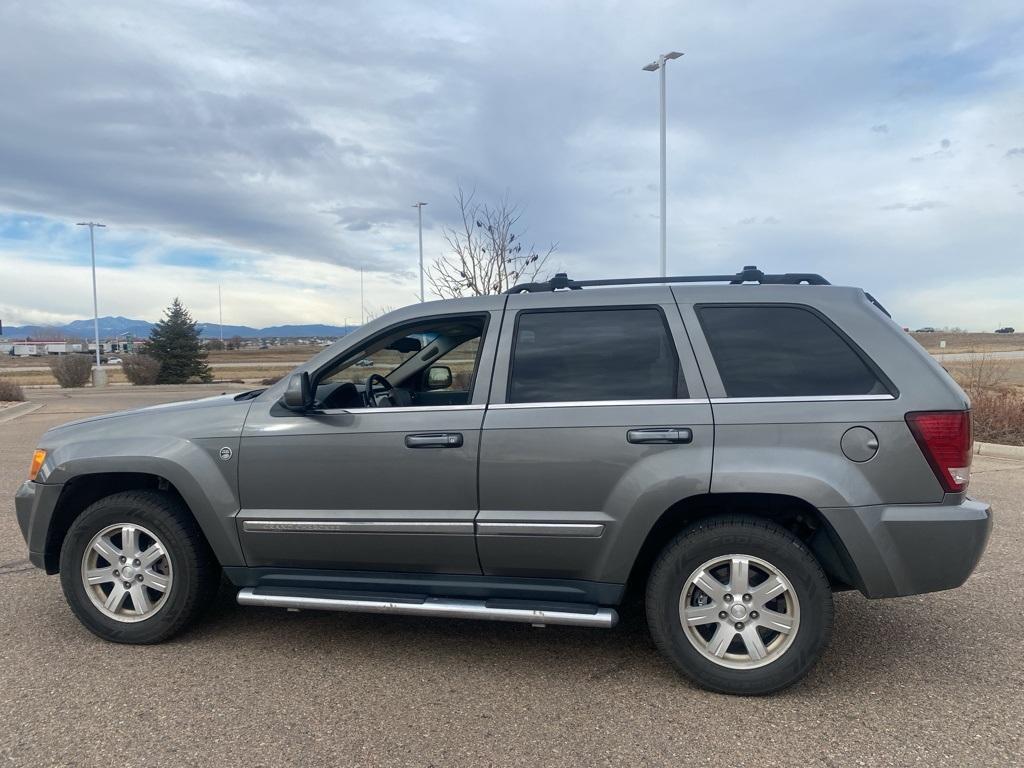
(859, 444)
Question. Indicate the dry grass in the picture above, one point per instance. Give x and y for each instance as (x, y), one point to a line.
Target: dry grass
(115, 375)
(998, 416)
(996, 389)
(292, 354)
(970, 342)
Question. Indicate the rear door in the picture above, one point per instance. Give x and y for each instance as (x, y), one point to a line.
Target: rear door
(598, 422)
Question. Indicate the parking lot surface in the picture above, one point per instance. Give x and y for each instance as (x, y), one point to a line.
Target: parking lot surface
(930, 680)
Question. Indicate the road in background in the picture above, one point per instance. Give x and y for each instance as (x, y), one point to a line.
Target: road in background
(928, 680)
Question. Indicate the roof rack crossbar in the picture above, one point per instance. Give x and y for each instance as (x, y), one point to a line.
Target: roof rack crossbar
(561, 281)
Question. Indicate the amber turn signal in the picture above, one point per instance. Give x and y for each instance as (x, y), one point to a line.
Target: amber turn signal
(37, 462)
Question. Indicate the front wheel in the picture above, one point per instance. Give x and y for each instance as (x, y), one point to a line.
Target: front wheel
(135, 567)
(739, 605)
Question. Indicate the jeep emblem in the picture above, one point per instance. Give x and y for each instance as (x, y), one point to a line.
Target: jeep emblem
(225, 453)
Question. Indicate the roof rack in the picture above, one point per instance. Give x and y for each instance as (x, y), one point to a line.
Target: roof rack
(561, 281)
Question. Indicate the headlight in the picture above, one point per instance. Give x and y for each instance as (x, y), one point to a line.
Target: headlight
(37, 462)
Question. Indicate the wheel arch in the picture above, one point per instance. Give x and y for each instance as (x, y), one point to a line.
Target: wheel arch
(796, 515)
(86, 487)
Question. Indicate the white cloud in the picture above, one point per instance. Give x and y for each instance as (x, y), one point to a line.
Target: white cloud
(289, 141)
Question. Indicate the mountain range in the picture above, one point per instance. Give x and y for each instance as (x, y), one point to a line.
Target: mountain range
(117, 326)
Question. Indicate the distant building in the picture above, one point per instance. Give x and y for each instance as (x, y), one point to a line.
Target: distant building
(39, 347)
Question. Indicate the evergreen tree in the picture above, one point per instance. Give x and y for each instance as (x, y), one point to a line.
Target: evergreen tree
(174, 342)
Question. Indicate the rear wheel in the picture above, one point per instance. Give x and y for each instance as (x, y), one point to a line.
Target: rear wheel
(136, 569)
(739, 605)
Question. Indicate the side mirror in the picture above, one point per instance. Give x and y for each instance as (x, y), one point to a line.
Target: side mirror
(299, 394)
(439, 377)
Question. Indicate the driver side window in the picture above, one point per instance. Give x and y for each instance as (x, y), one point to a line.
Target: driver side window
(418, 364)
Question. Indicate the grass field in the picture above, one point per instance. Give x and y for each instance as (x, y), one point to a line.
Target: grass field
(970, 342)
(247, 374)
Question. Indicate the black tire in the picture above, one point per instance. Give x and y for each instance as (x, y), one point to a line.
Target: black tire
(196, 574)
(759, 538)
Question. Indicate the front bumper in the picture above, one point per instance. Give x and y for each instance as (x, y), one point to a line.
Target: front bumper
(909, 549)
(34, 504)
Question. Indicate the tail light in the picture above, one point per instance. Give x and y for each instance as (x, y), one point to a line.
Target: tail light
(945, 441)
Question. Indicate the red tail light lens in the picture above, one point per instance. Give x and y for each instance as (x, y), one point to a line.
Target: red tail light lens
(945, 440)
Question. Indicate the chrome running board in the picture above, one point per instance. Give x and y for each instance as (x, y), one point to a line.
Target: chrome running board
(488, 610)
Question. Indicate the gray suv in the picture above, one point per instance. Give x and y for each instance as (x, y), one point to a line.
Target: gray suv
(736, 451)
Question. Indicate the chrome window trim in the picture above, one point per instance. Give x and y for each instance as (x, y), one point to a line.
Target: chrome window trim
(799, 399)
(403, 409)
(578, 530)
(596, 403)
(355, 526)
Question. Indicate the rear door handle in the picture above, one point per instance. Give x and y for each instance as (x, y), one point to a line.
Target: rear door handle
(660, 435)
(434, 440)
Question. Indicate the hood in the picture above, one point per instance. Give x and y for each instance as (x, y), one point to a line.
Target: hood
(158, 411)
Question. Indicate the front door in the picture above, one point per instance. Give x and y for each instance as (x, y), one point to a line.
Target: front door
(382, 474)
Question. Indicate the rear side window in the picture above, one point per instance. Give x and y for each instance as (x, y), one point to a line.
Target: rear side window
(782, 351)
(598, 354)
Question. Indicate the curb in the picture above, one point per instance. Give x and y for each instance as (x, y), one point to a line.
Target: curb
(999, 451)
(10, 414)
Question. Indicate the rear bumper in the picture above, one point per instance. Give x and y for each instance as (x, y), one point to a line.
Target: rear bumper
(34, 504)
(910, 549)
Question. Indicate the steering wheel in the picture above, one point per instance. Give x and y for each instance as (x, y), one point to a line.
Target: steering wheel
(375, 378)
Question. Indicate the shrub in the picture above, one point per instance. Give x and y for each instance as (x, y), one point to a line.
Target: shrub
(141, 370)
(998, 416)
(71, 370)
(270, 381)
(10, 391)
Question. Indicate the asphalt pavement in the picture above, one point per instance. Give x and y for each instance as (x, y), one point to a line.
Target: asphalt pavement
(930, 680)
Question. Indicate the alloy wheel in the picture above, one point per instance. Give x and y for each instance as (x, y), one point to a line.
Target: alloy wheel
(739, 611)
(126, 572)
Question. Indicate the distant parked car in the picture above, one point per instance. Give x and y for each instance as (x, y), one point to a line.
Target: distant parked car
(114, 361)
(365, 363)
(1005, 329)
(926, 329)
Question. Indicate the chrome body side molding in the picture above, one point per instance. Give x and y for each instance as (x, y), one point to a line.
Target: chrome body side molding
(356, 526)
(579, 530)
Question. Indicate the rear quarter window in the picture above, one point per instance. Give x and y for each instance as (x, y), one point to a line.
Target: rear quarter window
(784, 351)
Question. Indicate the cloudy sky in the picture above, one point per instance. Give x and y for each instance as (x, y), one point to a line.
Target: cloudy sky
(276, 148)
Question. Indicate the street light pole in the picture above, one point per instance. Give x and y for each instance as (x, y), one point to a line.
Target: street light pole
(419, 209)
(659, 66)
(95, 305)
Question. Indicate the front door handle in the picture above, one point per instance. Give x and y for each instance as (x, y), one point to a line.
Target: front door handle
(434, 440)
(660, 435)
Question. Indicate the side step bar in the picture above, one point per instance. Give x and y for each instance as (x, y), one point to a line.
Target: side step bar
(490, 610)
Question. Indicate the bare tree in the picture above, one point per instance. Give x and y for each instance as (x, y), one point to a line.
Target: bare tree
(372, 313)
(487, 251)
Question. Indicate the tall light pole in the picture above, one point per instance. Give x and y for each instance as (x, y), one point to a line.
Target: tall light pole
(419, 209)
(95, 305)
(220, 316)
(659, 66)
